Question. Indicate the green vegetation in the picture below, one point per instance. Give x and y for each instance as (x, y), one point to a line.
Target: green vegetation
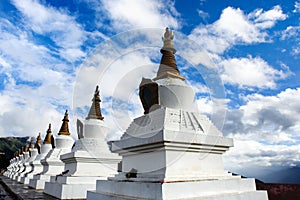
(8, 146)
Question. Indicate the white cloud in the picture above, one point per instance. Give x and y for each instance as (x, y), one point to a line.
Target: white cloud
(296, 51)
(251, 72)
(57, 24)
(249, 154)
(267, 19)
(128, 14)
(37, 84)
(202, 14)
(268, 119)
(265, 131)
(235, 27)
(297, 7)
(291, 32)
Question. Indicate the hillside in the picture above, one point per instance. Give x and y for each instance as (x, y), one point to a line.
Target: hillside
(8, 146)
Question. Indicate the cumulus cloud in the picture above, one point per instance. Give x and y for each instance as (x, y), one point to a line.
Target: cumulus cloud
(129, 14)
(268, 113)
(37, 81)
(257, 156)
(297, 7)
(251, 72)
(235, 27)
(57, 24)
(265, 132)
(267, 19)
(292, 33)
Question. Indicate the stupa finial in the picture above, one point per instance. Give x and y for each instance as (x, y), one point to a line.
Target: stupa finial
(95, 110)
(168, 67)
(25, 149)
(168, 40)
(47, 139)
(31, 143)
(64, 130)
(38, 141)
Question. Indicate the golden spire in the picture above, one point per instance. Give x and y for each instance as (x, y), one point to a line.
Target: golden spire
(95, 111)
(47, 139)
(168, 67)
(38, 141)
(25, 149)
(31, 143)
(64, 130)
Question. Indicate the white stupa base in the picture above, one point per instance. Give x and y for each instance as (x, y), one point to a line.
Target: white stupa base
(52, 166)
(82, 170)
(37, 167)
(90, 160)
(25, 179)
(22, 175)
(38, 181)
(18, 178)
(18, 173)
(66, 187)
(84, 163)
(225, 189)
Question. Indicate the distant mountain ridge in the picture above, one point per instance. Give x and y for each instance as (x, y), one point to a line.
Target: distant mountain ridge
(284, 175)
(9, 146)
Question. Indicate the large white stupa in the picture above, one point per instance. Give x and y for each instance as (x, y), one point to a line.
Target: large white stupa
(172, 151)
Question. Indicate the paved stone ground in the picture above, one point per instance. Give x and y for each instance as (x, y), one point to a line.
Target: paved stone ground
(11, 190)
(4, 194)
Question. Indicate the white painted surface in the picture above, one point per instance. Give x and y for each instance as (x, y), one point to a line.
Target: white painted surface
(89, 160)
(51, 163)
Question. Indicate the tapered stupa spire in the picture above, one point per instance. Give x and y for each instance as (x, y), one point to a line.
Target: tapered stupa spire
(64, 130)
(47, 139)
(38, 143)
(25, 148)
(95, 111)
(168, 67)
(31, 144)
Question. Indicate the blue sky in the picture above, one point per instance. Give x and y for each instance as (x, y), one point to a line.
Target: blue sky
(53, 53)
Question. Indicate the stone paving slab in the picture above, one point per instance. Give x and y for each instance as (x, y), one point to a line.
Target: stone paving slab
(21, 191)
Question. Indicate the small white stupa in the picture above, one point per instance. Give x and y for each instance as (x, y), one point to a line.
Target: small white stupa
(36, 165)
(33, 152)
(52, 165)
(90, 159)
(172, 151)
(24, 158)
(16, 166)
